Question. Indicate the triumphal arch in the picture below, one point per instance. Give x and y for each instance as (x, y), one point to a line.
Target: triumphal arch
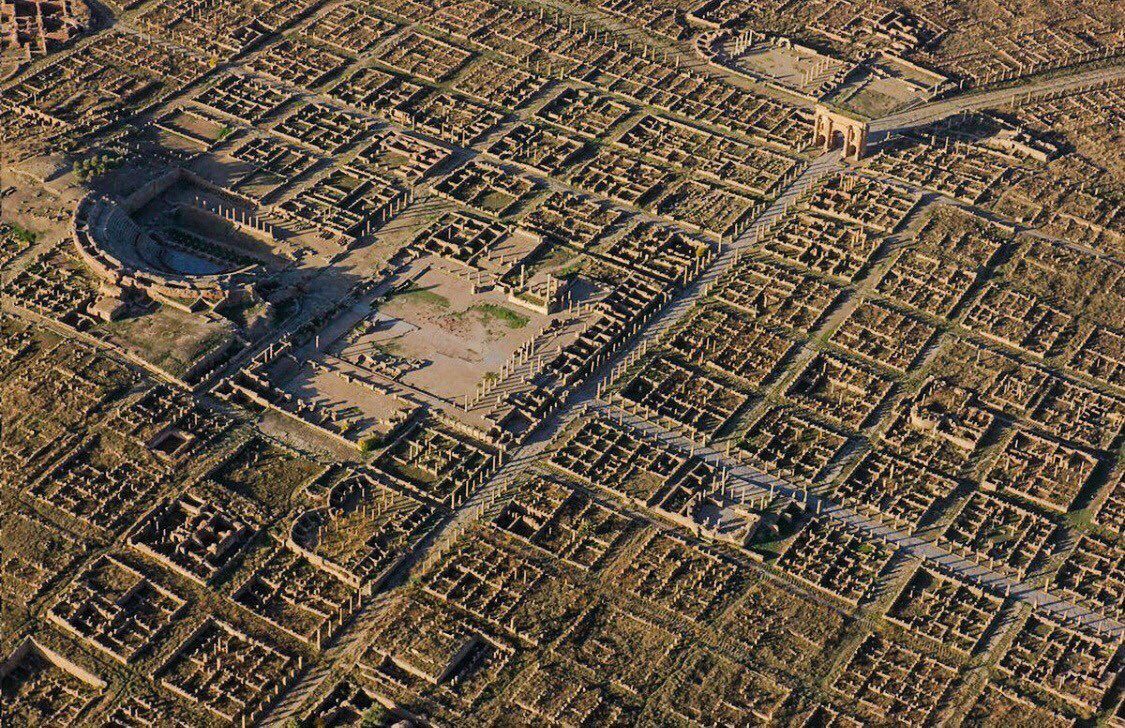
(836, 130)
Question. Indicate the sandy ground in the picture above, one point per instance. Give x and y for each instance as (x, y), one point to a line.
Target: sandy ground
(454, 331)
(330, 389)
(788, 65)
(447, 339)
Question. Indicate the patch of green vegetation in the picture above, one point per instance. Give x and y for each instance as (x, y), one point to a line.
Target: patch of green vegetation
(493, 312)
(370, 444)
(495, 202)
(769, 549)
(530, 298)
(95, 166)
(393, 159)
(391, 348)
(424, 296)
(224, 132)
(414, 473)
(1080, 519)
(564, 260)
(22, 234)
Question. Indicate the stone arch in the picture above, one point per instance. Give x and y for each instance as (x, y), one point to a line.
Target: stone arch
(833, 130)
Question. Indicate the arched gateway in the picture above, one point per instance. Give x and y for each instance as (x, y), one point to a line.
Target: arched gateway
(835, 130)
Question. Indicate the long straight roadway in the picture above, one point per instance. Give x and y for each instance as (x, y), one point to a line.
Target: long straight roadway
(757, 483)
(935, 111)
